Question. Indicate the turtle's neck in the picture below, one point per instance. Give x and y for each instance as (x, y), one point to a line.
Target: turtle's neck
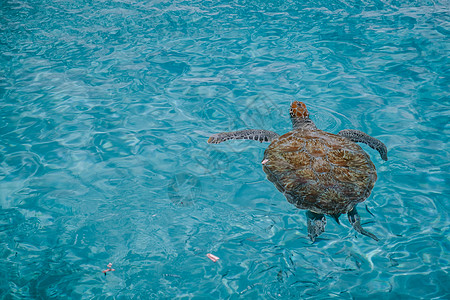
(303, 123)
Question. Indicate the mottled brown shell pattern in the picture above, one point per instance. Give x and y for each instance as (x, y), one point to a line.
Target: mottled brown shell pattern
(319, 171)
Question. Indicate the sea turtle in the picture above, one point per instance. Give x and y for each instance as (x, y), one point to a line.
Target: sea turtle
(322, 172)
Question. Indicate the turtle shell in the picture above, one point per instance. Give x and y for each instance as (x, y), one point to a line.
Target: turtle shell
(319, 171)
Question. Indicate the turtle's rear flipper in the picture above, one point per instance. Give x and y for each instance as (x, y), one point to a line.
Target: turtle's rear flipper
(316, 224)
(355, 220)
(248, 134)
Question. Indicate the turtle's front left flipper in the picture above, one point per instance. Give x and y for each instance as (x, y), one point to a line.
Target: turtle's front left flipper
(361, 137)
(248, 134)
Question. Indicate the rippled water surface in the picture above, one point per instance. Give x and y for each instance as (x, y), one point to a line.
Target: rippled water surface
(106, 107)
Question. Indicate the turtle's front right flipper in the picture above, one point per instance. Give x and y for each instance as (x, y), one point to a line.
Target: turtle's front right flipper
(361, 137)
(248, 134)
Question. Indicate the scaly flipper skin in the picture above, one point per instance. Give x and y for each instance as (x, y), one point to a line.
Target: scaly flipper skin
(248, 134)
(361, 137)
(316, 224)
(355, 220)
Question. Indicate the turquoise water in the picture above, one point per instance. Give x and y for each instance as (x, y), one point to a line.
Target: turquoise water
(105, 110)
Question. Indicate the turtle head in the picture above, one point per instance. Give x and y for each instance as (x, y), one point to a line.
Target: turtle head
(298, 110)
(300, 115)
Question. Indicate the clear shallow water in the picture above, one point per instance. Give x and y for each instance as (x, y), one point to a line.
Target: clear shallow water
(105, 110)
